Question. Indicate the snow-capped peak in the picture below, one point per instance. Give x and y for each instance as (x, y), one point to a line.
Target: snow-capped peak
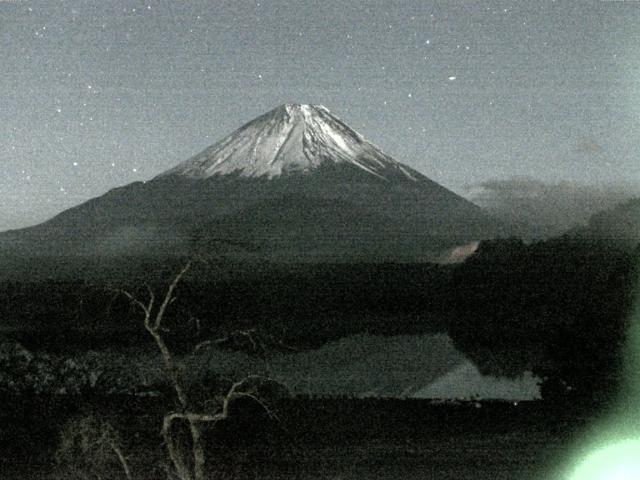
(290, 138)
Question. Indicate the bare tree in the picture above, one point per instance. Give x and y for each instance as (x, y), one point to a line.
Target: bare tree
(252, 342)
(188, 465)
(95, 442)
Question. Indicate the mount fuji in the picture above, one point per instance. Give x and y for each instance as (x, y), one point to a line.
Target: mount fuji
(292, 139)
(297, 184)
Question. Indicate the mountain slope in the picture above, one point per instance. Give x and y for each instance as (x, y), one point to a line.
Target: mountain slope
(293, 175)
(290, 139)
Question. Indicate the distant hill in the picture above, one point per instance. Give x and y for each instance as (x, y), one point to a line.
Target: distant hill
(619, 226)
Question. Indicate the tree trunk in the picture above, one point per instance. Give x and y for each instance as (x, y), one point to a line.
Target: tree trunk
(198, 450)
(176, 457)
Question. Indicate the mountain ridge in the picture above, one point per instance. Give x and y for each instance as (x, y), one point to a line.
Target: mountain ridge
(291, 138)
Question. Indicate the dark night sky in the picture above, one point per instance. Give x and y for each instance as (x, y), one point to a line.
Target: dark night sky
(99, 94)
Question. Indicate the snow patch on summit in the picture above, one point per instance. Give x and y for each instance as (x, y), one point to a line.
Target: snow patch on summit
(291, 138)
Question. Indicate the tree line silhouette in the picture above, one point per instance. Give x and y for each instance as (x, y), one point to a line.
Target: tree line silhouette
(558, 308)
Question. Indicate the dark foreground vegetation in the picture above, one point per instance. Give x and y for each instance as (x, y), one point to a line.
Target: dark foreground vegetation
(557, 308)
(310, 438)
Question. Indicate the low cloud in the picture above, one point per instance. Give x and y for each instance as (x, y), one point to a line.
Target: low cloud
(550, 208)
